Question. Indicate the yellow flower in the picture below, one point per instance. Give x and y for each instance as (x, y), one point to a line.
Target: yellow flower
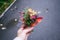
(32, 12)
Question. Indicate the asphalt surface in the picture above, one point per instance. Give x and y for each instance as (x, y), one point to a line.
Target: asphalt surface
(48, 29)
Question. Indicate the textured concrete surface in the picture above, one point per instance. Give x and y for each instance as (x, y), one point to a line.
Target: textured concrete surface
(48, 29)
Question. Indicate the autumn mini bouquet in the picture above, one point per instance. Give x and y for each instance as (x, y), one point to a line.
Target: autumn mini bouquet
(30, 17)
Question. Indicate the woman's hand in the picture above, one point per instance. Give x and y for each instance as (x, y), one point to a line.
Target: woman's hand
(23, 33)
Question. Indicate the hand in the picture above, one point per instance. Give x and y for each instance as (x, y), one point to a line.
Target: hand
(23, 33)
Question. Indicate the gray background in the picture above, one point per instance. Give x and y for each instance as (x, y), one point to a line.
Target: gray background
(48, 29)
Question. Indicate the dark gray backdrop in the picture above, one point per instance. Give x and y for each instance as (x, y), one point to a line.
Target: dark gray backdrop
(48, 29)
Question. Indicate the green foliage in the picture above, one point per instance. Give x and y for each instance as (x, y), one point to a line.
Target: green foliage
(4, 4)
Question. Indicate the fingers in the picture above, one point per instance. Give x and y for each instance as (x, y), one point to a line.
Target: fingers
(27, 30)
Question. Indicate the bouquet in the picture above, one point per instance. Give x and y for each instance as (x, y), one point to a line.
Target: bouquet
(30, 17)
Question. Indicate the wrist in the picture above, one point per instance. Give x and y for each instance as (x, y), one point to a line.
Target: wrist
(18, 38)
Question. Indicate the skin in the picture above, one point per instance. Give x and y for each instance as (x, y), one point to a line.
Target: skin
(25, 32)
